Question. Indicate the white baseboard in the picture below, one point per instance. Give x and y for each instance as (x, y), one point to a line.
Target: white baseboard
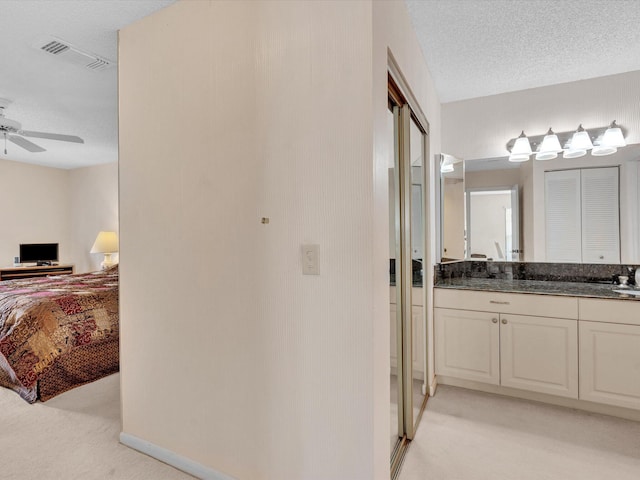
(172, 458)
(433, 387)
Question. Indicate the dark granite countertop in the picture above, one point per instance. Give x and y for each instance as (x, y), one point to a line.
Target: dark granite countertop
(542, 287)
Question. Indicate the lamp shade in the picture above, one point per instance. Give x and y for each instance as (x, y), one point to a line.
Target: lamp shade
(602, 150)
(447, 168)
(581, 140)
(613, 137)
(550, 143)
(446, 164)
(106, 242)
(518, 157)
(574, 153)
(521, 146)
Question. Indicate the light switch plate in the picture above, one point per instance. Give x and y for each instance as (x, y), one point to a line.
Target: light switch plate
(310, 261)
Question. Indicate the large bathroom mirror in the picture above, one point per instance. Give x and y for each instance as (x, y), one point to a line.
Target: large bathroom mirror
(504, 217)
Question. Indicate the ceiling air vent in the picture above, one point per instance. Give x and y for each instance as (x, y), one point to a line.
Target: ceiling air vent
(72, 54)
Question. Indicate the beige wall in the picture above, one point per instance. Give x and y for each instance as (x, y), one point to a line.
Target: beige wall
(35, 209)
(492, 178)
(51, 205)
(93, 197)
(234, 359)
(453, 219)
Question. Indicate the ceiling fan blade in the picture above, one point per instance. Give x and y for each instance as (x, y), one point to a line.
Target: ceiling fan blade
(26, 144)
(51, 136)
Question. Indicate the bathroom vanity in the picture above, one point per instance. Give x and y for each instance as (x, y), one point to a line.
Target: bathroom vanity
(570, 343)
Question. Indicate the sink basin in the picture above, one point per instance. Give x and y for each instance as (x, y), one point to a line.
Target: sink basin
(629, 292)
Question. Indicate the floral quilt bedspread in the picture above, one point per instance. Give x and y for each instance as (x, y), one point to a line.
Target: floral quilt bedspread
(42, 319)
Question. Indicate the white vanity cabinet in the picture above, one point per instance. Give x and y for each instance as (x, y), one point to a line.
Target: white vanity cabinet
(610, 352)
(529, 342)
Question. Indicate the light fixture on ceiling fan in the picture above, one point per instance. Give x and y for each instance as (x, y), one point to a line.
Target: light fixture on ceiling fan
(12, 131)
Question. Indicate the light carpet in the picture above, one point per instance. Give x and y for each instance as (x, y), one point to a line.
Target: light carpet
(72, 436)
(477, 436)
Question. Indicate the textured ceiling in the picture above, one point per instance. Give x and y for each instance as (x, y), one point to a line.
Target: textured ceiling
(476, 48)
(51, 95)
(473, 48)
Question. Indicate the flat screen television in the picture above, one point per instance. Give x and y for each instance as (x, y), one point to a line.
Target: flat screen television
(40, 253)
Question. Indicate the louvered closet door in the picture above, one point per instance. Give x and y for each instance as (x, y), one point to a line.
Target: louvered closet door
(600, 215)
(563, 219)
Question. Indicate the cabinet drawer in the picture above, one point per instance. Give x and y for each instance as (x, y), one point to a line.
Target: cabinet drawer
(518, 303)
(610, 311)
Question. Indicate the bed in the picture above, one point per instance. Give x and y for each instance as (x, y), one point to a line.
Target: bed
(57, 333)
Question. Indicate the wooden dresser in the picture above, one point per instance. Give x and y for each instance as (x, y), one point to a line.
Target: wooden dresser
(16, 273)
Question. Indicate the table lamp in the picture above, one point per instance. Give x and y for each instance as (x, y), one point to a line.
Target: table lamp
(107, 243)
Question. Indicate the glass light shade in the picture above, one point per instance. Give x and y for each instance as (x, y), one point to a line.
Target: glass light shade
(522, 146)
(446, 168)
(518, 157)
(613, 137)
(106, 242)
(581, 141)
(550, 143)
(546, 155)
(574, 153)
(602, 150)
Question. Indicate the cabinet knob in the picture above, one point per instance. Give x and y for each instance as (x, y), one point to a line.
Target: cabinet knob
(504, 321)
(494, 320)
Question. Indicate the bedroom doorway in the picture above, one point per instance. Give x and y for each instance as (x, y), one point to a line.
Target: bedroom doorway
(407, 234)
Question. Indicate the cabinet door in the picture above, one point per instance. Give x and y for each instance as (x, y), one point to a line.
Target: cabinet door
(563, 222)
(539, 354)
(467, 345)
(600, 215)
(610, 363)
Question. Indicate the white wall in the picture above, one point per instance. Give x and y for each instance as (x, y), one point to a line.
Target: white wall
(233, 359)
(481, 127)
(93, 199)
(35, 209)
(394, 41)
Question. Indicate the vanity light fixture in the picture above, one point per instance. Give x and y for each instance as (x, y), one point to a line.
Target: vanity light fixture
(611, 140)
(580, 140)
(599, 141)
(521, 149)
(579, 144)
(446, 167)
(550, 147)
(613, 136)
(448, 163)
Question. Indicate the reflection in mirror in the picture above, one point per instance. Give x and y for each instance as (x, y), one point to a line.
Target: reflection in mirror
(493, 223)
(452, 231)
(529, 177)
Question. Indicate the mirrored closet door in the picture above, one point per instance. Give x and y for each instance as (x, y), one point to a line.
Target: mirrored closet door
(407, 234)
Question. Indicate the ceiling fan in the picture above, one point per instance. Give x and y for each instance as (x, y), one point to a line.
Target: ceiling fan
(12, 131)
